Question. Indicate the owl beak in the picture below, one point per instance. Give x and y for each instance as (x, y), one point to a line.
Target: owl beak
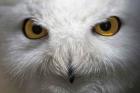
(71, 74)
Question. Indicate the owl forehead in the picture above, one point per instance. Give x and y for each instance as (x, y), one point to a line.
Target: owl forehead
(71, 9)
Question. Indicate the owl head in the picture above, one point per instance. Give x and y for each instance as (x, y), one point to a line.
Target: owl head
(71, 41)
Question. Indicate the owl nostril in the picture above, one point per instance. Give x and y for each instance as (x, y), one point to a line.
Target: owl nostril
(71, 74)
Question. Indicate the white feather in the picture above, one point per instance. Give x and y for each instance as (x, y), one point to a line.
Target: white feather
(101, 64)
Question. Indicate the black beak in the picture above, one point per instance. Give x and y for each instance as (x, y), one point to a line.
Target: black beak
(71, 74)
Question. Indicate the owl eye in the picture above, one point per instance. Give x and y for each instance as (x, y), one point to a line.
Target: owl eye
(33, 30)
(109, 27)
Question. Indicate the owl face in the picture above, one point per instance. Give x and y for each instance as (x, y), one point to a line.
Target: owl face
(84, 42)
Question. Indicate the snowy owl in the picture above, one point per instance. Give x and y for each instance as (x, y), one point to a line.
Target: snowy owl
(69, 46)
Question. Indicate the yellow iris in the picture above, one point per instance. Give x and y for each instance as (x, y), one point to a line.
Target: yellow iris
(108, 28)
(32, 30)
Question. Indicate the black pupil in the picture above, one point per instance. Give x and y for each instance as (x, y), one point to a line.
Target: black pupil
(105, 26)
(37, 29)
